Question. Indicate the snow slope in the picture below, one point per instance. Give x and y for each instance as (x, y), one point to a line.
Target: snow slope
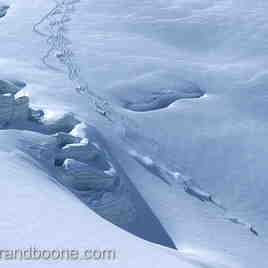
(38, 213)
(218, 139)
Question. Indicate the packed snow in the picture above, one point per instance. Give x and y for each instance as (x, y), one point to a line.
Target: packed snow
(151, 114)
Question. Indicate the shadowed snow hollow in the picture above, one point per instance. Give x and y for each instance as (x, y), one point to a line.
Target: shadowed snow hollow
(3, 9)
(153, 91)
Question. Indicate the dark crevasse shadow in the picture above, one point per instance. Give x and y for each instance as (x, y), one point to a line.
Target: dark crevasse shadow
(77, 157)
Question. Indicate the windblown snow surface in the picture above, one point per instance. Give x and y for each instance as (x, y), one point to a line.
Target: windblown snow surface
(214, 130)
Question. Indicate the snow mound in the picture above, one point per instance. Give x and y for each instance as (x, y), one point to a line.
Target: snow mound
(153, 91)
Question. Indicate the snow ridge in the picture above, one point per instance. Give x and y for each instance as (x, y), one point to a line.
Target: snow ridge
(56, 21)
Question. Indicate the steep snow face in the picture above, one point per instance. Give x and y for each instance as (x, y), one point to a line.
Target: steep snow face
(82, 162)
(219, 139)
(110, 195)
(37, 213)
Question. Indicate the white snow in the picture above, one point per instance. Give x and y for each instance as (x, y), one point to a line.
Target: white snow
(143, 159)
(219, 140)
(38, 213)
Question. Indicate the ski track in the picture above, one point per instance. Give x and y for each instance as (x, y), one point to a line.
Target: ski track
(61, 47)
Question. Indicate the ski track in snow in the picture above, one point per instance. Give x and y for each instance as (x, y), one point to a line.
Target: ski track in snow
(58, 19)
